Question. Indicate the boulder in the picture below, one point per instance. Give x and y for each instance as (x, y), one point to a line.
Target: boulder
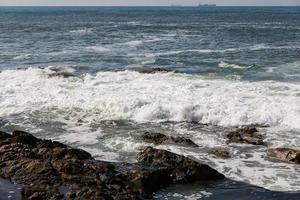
(150, 180)
(220, 153)
(158, 138)
(51, 170)
(43, 167)
(4, 135)
(183, 169)
(246, 134)
(286, 154)
(41, 192)
(155, 138)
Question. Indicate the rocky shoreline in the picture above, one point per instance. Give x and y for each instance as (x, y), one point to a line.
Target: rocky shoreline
(47, 169)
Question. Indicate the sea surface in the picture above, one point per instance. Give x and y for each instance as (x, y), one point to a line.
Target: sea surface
(228, 66)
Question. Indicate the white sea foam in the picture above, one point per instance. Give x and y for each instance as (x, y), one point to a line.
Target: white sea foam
(23, 57)
(82, 31)
(262, 46)
(82, 138)
(81, 101)
(98, 49)
(134, 43)
(257, 47)
(153, 97)
(232, 65)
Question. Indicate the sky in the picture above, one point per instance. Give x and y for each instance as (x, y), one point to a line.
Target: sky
(146, 2)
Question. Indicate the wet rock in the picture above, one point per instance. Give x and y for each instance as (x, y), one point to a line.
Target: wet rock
(286, 154)
(152, 70)
(23, 137)
(65, 72)
(220, 153)
(246, 134)
(41, 192)
(4, 135)
(258, 125)
(44, 167)
(150, 180)
(155, 138)
(183, 141)
(158, 138)
(183, 169)
(193, 125)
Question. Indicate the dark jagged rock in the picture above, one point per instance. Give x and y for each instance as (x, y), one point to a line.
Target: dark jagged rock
(43, 167)
(246, 134)
(41, 192)
(286, 154)
(183, 169)
(4, 135)
(150, 180)
(152, 70)
(50, 170)
(158, 138)
(220, 153)
(183, 141)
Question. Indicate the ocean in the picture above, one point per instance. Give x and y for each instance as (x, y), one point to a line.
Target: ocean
(227, 67)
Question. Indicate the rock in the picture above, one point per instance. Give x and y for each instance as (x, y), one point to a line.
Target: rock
(43, 167)
(150, 180)
(51, 170)
(183, 141)
(152, 70)
(183, 169)
(258, 125)
(246, 134)
(4, 135)
(286, 154)
(23, 137)
(65, 72)
(50, 144)
(158, 138)
(41, 192)
(220, 153)
(64, 153)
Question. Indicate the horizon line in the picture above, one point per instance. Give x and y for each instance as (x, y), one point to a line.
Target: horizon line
(193, 6)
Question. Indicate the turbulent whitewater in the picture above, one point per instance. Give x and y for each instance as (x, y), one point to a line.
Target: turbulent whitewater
(77, 75)
(152, 98)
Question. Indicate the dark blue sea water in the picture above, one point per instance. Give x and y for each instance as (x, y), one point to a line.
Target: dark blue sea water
(251, 43)
(72, 74)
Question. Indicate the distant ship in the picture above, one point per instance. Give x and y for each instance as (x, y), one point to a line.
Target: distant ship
(206, 5)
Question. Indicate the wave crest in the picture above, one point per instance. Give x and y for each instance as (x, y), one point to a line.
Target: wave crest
(152, 97)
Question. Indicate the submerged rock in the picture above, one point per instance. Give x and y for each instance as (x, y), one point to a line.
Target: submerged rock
(245, 134)
(286, 154)
(183, 169)
(158, 138)
(220, 153)
(152, 70)
(51, 170)
(61, 71)
(155, 138)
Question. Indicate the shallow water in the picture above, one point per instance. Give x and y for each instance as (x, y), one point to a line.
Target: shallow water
(231, 67)
(9, 190)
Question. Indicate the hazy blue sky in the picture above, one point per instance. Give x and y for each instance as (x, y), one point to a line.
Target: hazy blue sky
(146, 2)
